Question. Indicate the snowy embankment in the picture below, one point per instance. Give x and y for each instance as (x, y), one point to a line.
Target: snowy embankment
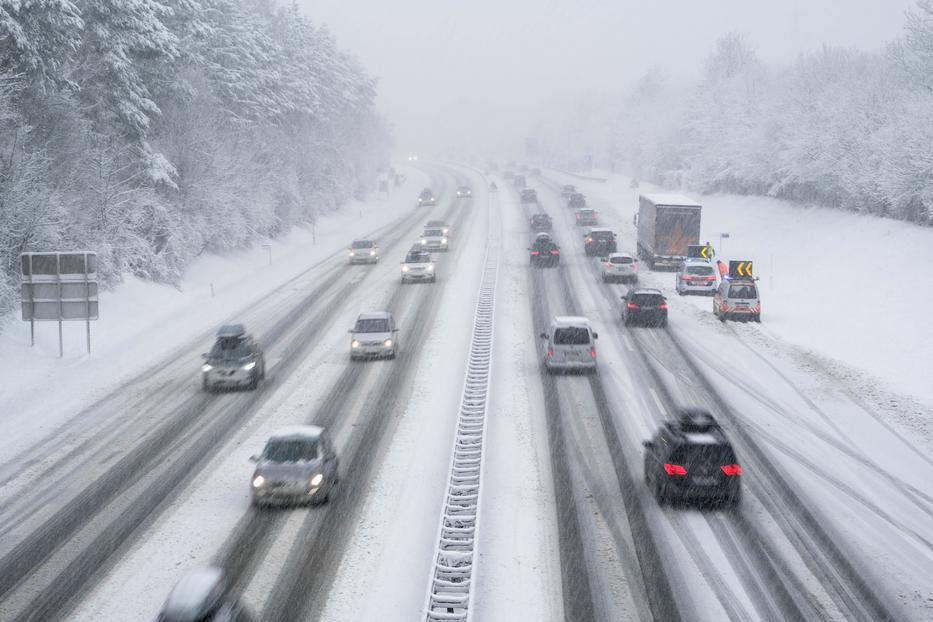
(142, 322)
(849, 291)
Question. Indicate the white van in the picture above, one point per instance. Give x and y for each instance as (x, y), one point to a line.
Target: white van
(570, 345)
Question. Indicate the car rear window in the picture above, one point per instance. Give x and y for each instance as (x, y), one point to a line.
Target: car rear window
(418, 258)
(571, 336)
(362, 244)
(700, 270)
(743, 292)
(713, 454)
(291, 450)
(621, 260)
(371, 325)
(648, 300)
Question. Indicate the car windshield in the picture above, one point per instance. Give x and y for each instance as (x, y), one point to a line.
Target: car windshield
(362, 243)
(571, 336)
(700, 270)
(435, 223)
(648, 300)
(371, 325)
(230, 348)
(621, 260)
(418, 258)
(291, 450)
(743, 291)
(433, 233)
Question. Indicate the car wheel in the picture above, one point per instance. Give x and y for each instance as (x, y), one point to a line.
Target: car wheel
(722, 317)
(663, 323)
(758, 318)
(434, 279)
(206, 386)
(254, 383)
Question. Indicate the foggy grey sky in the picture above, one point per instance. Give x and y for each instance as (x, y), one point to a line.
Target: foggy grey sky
(448, 68)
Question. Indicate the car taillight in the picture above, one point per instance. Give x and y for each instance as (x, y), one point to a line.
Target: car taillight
(686, 278)
(663, 306)
(555, 252)
(593, 353)
(725, 307)
(534, 253)
(711, 278)
(632, 305)
(674, 469)
(550, 353)
(731, 469)
(758, 308)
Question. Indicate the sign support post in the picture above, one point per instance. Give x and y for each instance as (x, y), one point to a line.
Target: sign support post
(87, 305)
(58, 275)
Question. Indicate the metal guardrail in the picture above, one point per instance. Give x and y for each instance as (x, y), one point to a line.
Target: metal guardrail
(449, 590)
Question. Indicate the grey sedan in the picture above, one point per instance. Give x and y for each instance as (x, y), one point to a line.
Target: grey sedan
(297, 465)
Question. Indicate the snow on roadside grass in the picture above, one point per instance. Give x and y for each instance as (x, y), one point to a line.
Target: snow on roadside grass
(142, 322)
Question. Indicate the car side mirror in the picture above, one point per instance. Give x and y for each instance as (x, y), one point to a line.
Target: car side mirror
(395, 330)
(254, 458)
(543, 335)
(204, 355)
(648, 444)
(595, 335)
(604, 259)
(350, 331)
(635, 220)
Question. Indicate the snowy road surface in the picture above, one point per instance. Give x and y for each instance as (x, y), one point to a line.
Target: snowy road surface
(118, 482)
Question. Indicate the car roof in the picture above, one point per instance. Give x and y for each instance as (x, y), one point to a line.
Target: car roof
(585, 209)
(571, 320)
(599, 230)
(435, 223)
(611, 255)
(298, 431)
(231, 330)
(371, 241)
(374, 315)
(195, 594)
(646, 290)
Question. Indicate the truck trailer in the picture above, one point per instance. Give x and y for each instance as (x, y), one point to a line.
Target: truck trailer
(667, 225)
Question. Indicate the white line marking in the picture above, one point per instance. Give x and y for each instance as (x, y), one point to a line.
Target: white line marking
(628, 343)
(657, 400)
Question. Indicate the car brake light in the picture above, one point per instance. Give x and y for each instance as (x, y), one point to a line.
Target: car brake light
(555, 252)
(675, 469)
(593, 353)
(632, 305)
(663, 306)
(711, 278)
(550, 353)
(534, 253)
(758, 308)
(731, 469)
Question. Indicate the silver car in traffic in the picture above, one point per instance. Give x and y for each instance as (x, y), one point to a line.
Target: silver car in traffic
(434, 239)
(570, 345)
(363, 251)
(373, 336)
(297, 465)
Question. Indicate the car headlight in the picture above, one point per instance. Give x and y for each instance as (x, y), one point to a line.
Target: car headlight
(430, 268)
(259, 481)
(249, 366)
(443, 240)
(206, 368)
(354, 344)
(352, 253)
(423, 241)
(372, 253)
(445, 231)
(404, 268)
(317, 479)
(387, 343)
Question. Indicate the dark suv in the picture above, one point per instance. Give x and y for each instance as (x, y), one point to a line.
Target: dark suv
(529, 195)
(644, 306)
(600, 242)
(690, 458)
(544, 251)
(541, 222)
(236, 360)
(576, 200)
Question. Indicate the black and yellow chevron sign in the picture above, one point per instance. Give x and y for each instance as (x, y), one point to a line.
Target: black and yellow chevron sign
(740, 268)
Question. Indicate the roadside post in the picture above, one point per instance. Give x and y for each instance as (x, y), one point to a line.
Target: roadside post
(722, 236)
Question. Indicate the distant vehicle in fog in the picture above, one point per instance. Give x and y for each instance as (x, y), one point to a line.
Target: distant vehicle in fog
(363, 251)
(418, 266)
(427, 198)
(235, 360)
(576, 200)
(519, 182)
(541, 222)
(529, 195)
(568, 190)
(201, 595)
(690, 458)
(586, 217)
(645, 307)
(569, 345)
(438, 224)
(434, 239)
(297, 465)
(599, 242)
(667, 225)
(544, 252)
(464, 192)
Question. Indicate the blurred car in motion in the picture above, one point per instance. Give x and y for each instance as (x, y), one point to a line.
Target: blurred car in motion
(570, 345)
(235, 361)
(544, 252)
(412, 158)
(599, 242)
(696, 276)
(427, 198)
(529, 195)
(438, 224)
(433, 239)
(519, 182)
(201, 596)
(586, 217)
(363, 251)
(541, 222)
(567, 191)
(620, 267)
(737, 299)
(373, 336)
(690, 458)
(297, 465)
(418, 266)
(644, 306)
(464, 192)
(576, 200)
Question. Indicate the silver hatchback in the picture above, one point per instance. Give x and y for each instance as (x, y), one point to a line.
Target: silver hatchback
(373, 336)
(297, 465)
(570, 345)
(696, 276)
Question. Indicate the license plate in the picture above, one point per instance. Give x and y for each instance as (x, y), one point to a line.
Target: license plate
(704, 481)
